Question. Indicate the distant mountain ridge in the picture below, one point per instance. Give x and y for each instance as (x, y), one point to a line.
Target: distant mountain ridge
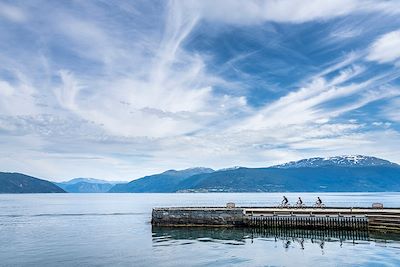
(165, 182)
(351, 173)
(20, 183)
(302, 179)
(339, 161)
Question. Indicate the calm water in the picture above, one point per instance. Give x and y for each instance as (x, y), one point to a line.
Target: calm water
(115, 230)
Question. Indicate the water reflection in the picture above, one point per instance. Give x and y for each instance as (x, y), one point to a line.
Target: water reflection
(203, 234)
(287, 237)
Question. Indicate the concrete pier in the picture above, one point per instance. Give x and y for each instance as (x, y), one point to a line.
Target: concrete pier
(199, 217)
(335, 218)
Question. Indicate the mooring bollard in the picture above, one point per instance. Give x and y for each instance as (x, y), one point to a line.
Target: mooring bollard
(377, 205)
(230, 205)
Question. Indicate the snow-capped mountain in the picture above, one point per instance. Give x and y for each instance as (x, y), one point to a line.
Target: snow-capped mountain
(334, 174)
(339, 161)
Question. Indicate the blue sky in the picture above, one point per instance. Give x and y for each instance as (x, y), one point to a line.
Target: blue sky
(121, 89)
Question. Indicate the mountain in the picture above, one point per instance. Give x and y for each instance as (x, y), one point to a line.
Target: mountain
(87, 185)
(335, 174)
(301, 179)
(164, 182)
(355, 173)
(21, 183)
(339, 161)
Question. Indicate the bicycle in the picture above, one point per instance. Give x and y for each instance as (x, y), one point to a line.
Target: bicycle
(282, 205)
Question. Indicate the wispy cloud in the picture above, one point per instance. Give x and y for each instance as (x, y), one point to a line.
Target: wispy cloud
(386, 48)
(292, 11)
(12, 13)
(392, 110)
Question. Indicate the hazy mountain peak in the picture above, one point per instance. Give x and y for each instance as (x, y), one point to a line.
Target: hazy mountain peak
(88, 180)
(339, 161)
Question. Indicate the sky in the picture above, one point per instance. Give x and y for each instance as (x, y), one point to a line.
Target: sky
(121, 89)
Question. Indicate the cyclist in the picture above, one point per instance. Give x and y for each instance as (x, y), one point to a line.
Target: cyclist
(299, 202)
(318, 203)
(285, 201)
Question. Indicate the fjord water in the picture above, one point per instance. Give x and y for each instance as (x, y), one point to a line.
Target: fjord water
(115, 230)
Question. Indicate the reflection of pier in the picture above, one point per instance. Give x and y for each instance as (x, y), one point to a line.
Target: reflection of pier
(311, 234)
(360, 219)
(240, 235)
(192, 233)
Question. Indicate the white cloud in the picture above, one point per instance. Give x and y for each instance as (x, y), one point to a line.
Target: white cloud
(385, 49)
(6, 89)
(12, 13)
(292, 11)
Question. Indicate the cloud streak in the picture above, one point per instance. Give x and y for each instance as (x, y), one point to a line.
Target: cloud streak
(386, 48)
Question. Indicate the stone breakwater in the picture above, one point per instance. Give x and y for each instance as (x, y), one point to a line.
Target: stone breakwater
(337, 218)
